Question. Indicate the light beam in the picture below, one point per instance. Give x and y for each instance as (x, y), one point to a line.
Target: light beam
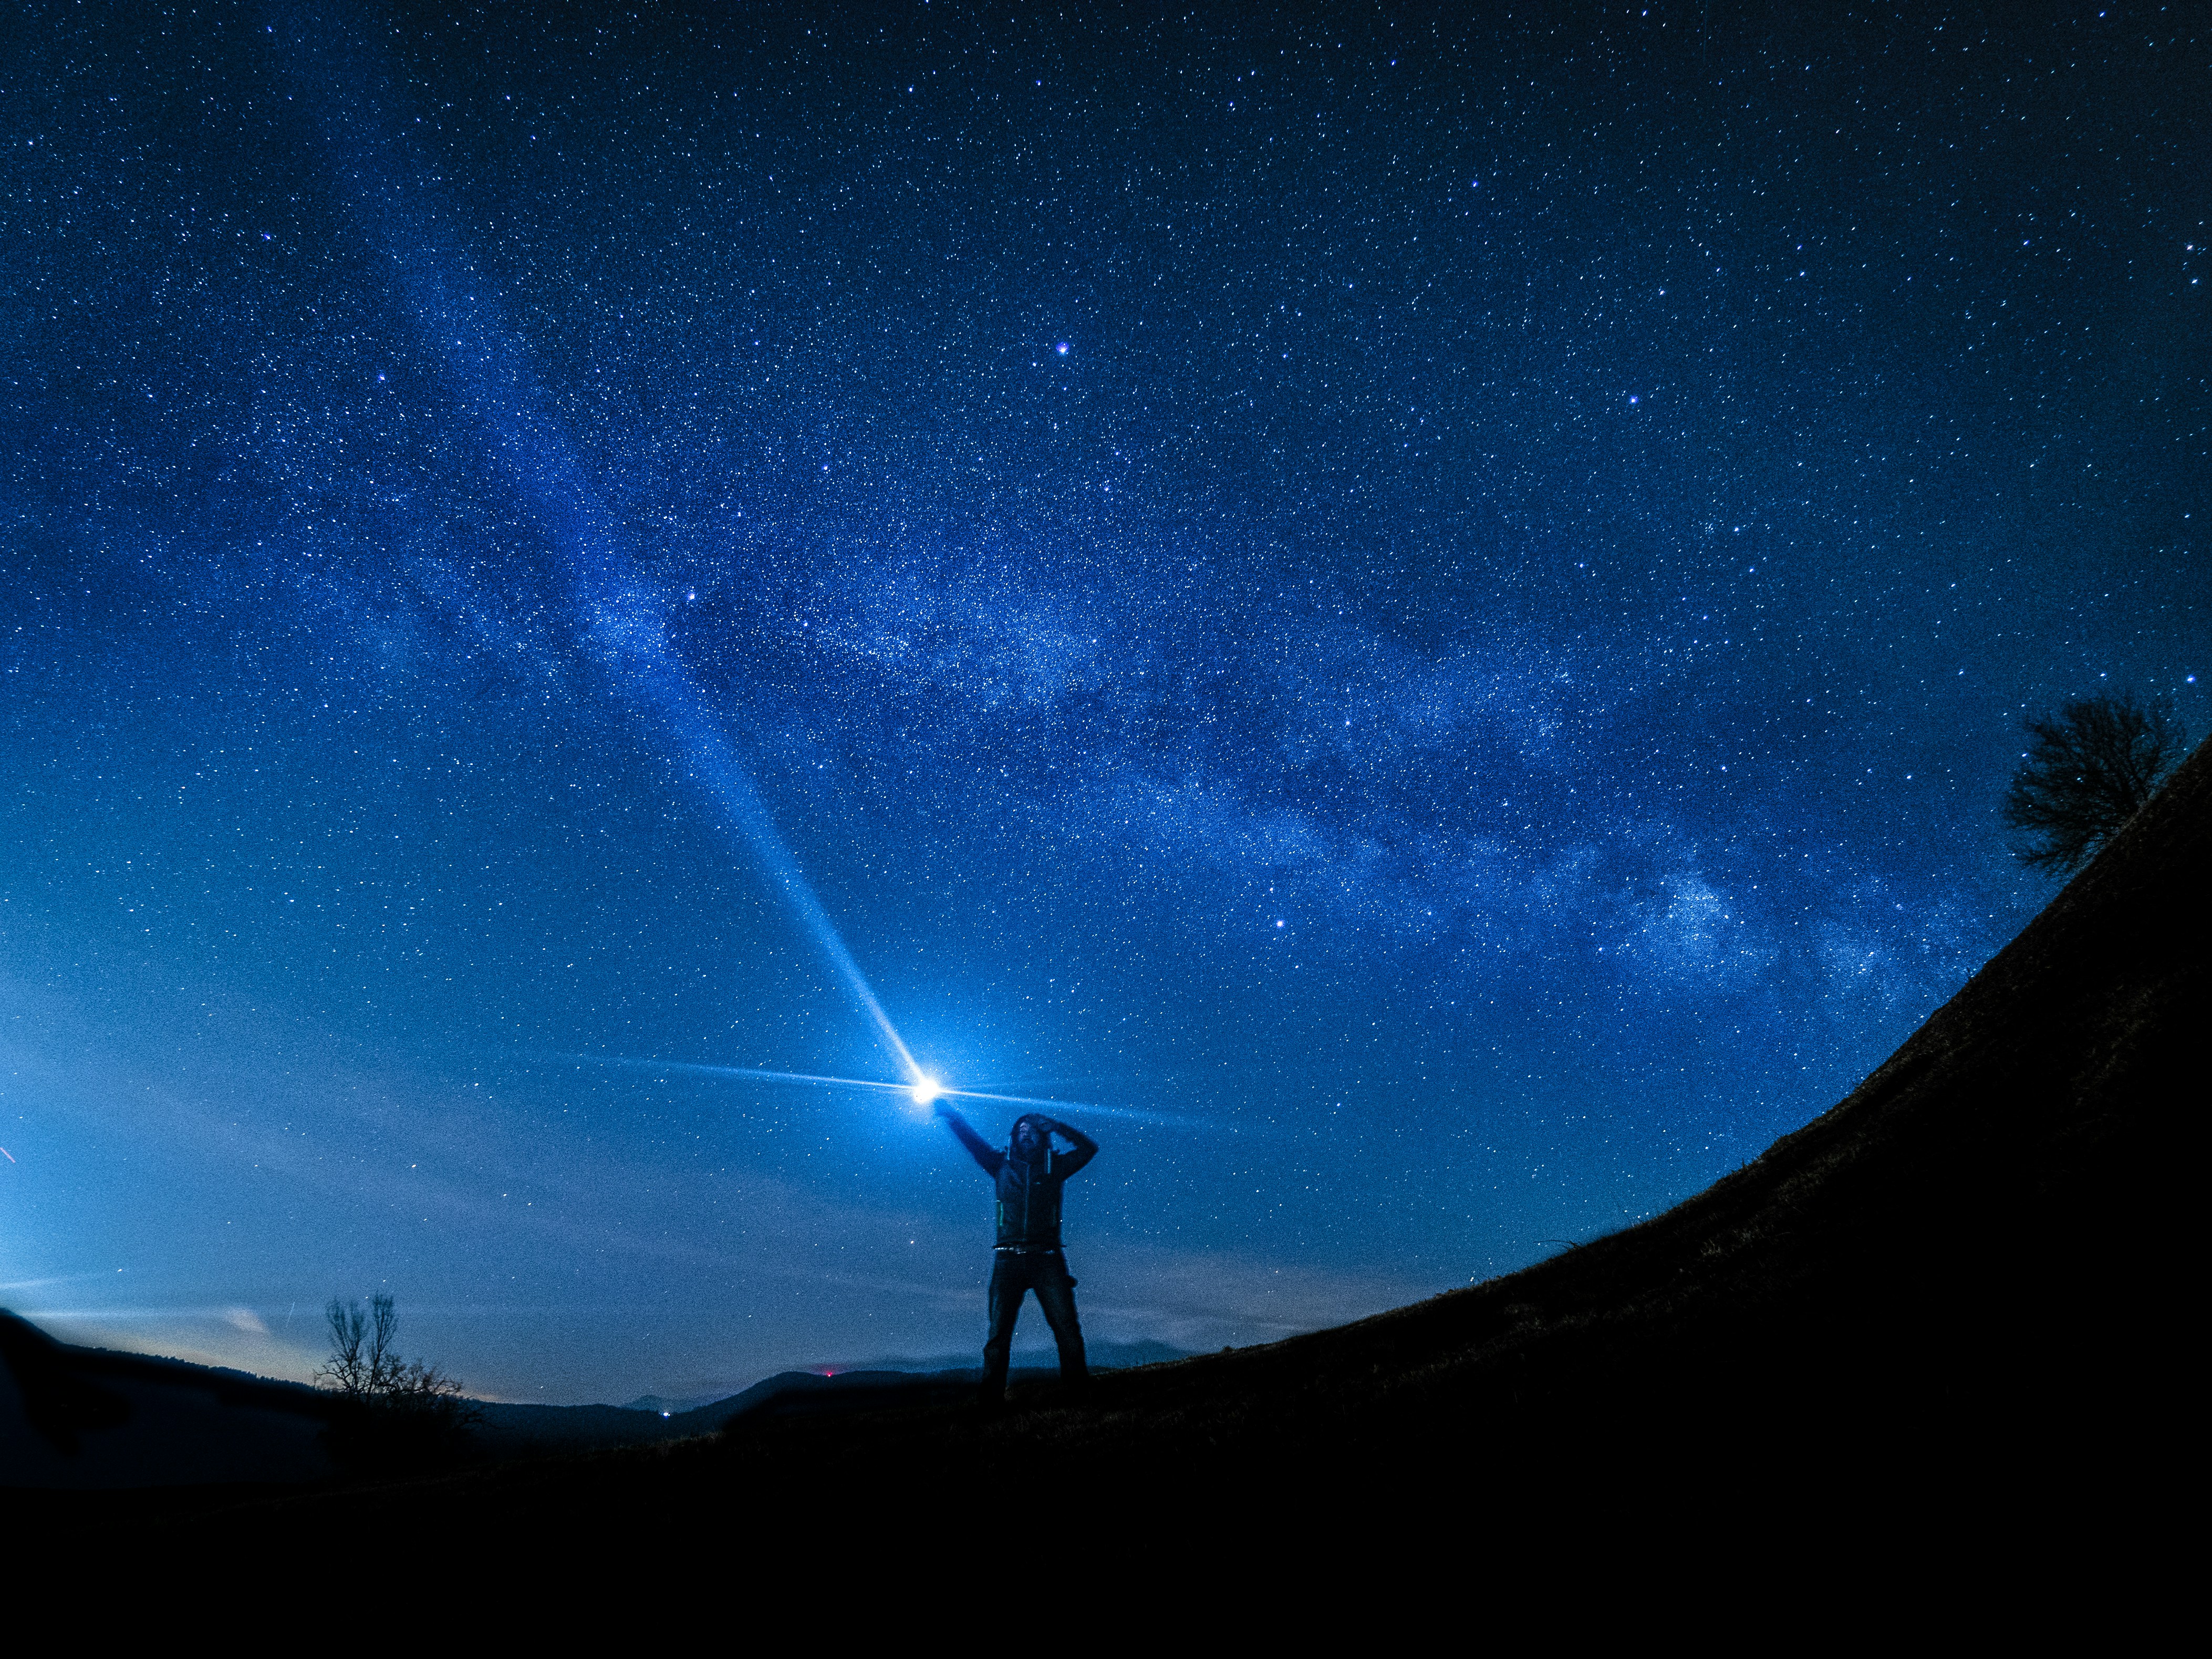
(620, 618)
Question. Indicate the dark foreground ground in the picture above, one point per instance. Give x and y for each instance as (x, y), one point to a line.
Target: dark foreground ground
(1944, 1324)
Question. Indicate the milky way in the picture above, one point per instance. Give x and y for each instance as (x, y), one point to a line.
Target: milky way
(1435, 615)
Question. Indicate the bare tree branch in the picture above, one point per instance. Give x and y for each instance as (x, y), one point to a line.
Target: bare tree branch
(384, 1361)
(345, 1371)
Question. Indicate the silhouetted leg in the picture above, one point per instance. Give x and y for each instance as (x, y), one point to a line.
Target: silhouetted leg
(1055, 1294)
(1005, 1299)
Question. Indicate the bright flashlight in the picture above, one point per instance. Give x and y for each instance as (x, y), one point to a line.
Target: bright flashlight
(924, 1090)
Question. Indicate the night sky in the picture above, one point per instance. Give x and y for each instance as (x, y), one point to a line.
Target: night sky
(1425, 621)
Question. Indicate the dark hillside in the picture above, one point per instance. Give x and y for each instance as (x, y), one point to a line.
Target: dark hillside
(1960, 1280)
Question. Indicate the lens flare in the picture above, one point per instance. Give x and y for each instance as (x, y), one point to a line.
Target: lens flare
(924, 1093)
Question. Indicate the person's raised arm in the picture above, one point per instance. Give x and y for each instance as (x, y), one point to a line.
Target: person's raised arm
(1085, 1149)
(978, 1148)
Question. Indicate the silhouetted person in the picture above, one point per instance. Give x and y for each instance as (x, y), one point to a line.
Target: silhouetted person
(1028, 1257)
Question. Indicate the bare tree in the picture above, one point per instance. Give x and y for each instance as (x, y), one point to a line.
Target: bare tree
(345, 1371)
(386, 1371)
(394, 1412)
(2086, 773)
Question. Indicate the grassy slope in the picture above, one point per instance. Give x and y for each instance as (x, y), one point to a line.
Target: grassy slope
(1962, 1258)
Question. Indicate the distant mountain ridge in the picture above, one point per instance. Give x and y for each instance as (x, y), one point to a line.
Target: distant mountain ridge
(93, 1418)
(75, 1418)
(1105, 1356)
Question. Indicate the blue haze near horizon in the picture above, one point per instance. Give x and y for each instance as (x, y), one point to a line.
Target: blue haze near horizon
(1441, 608)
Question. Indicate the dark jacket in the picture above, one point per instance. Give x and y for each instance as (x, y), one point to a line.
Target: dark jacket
(1029, 1189)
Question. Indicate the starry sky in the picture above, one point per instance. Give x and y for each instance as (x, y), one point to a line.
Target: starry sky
(1421, 618)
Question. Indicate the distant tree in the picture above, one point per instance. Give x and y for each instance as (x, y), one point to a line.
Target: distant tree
(2086, 773)
(392, 1412)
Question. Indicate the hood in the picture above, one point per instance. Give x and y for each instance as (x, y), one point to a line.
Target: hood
(1043, 1140)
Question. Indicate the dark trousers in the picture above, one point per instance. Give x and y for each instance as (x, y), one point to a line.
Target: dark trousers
(1013, 1276)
